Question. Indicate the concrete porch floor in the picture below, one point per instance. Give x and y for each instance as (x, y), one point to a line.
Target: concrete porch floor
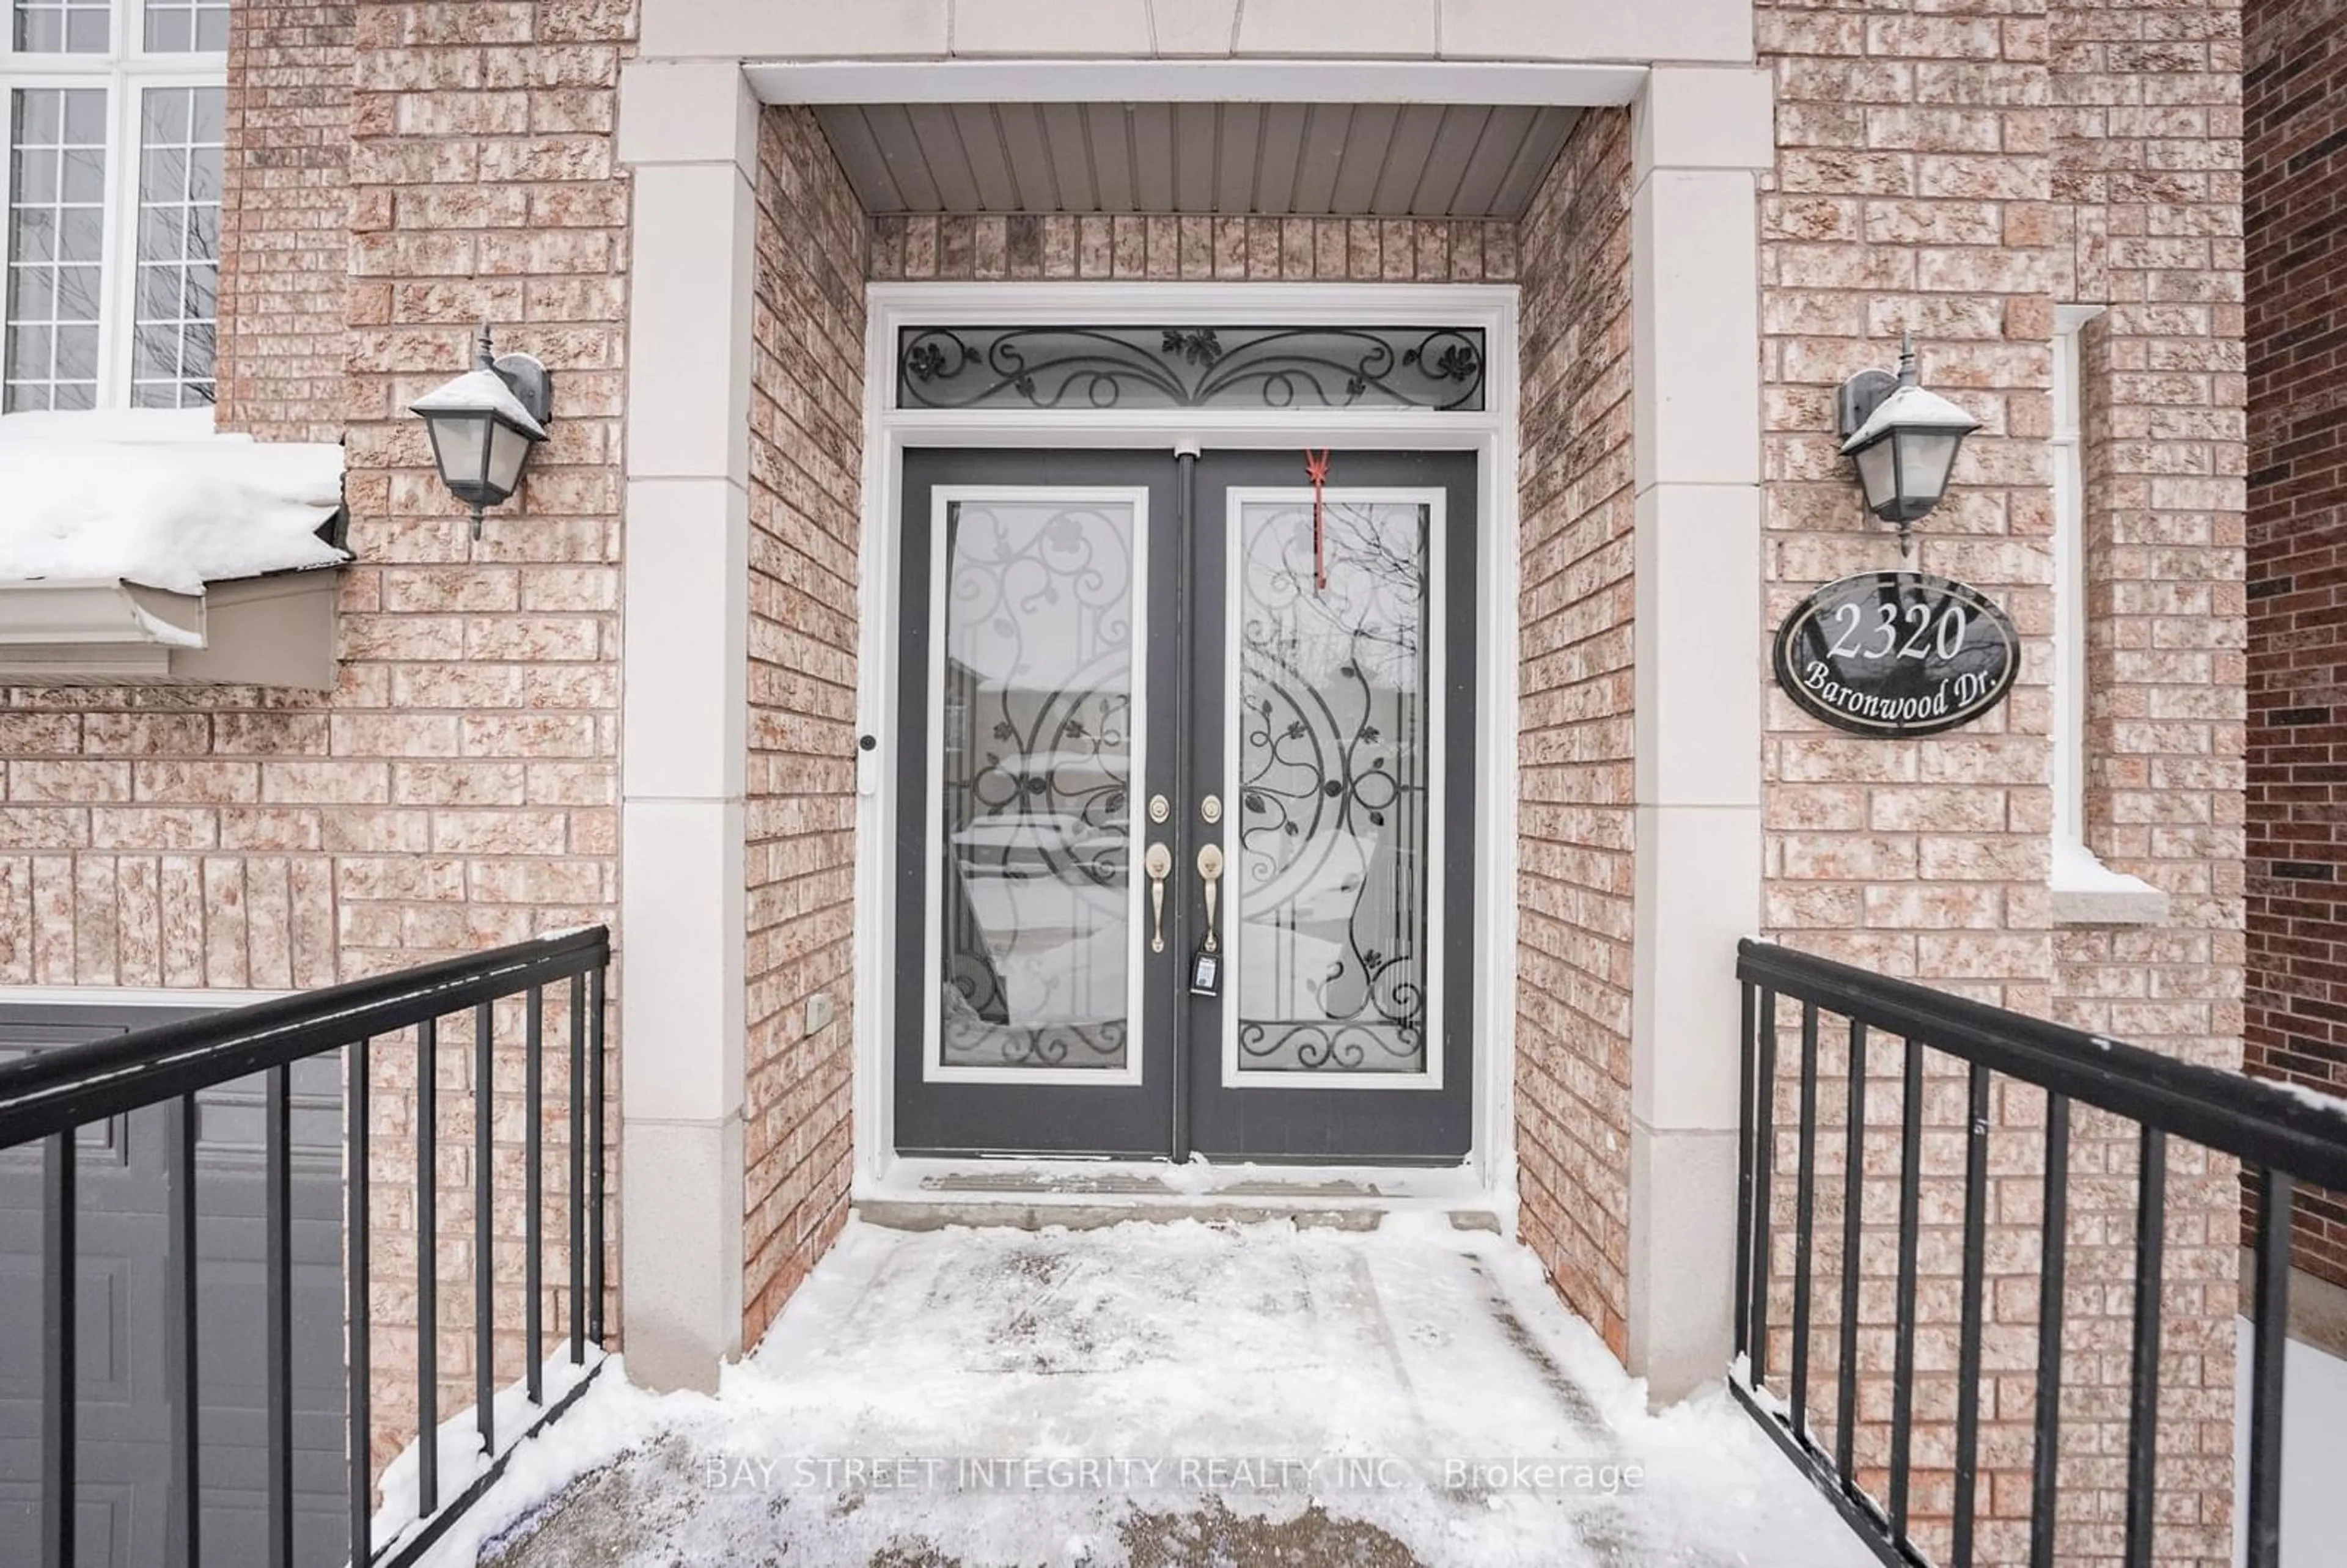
(1167, 1393)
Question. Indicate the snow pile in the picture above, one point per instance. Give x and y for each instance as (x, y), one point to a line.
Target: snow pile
(1085, 1398)
(157, 496)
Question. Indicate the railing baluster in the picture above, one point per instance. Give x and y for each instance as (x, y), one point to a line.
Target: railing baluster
(59, 1257)
(533, 1159)
(2055, 1251)
(577, 1204)
(485, 1279)
(428, 1271)
(181, 1364)
(2143, 1404)
(1747, 1012)
(1764, 1166)
(595, 1155)
(1805, 1204)
(358, 1307)
(1968, 1333)
(1902, 1375)
(2268, 1354)
(1853, 1195)
(277, 1152)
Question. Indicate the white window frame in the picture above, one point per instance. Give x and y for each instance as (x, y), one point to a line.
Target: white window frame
(126, 72)
(2084, 890)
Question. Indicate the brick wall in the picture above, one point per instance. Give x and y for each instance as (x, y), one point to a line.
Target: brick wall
(285, 210)
(2296, 189)
(1954, 174)
(806, 441)
(458, 787)
(2145, 145)
(1192, 249)
(1576, 824)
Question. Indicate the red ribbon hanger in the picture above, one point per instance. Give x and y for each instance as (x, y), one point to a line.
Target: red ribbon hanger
(1316, 468)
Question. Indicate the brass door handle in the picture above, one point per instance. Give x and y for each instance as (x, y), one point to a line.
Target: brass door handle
(1210, 872)
(1159, 863)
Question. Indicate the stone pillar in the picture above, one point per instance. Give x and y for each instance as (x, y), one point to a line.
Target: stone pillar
(1701, 135)
(689, 134)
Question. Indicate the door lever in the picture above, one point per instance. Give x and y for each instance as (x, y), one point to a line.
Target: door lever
(1159, 863)
(1210, 872)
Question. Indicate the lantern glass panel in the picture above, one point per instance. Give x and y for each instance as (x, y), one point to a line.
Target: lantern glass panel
(460, 446)
(508, 450)
(1925, 457)
(1877, 475)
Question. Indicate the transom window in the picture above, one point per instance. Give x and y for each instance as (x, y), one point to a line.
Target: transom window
(115, 114)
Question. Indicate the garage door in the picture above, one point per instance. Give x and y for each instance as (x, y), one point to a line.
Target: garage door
(124, 1449)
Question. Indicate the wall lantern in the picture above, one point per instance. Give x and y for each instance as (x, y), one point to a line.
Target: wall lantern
(484, 424)
(1902, 439)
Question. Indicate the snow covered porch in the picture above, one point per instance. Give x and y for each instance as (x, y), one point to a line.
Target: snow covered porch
(1336, 1390)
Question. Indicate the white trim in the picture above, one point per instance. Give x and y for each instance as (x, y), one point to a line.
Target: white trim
(1491, 434)
(933, 1067)
(2084, 890)
(1436, 677)
(1532, 83)
(134, 996)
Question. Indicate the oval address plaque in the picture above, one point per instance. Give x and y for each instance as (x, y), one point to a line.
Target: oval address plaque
(1897, 653)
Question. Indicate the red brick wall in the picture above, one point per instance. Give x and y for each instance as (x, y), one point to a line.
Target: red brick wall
(286, 219)
(2296, 196)
(806, 443)
(1576, 824)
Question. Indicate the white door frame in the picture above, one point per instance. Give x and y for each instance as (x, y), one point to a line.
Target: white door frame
(1491, 434)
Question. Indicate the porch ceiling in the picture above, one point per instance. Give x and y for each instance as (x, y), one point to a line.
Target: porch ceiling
(1308, 159)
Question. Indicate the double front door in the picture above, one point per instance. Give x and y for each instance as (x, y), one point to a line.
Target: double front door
(1185, 779)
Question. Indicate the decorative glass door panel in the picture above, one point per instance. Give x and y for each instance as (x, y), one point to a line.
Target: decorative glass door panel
(1183, 779)
(1333, 738)
(1037, 669)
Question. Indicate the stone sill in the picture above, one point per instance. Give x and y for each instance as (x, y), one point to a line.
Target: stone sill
(275, 631)
(2088, 893)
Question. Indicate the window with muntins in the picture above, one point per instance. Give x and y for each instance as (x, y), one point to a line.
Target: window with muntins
(116, 113)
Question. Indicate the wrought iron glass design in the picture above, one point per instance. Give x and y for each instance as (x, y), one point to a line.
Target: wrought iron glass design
(1094, 367)
(1334, 758)
(1039, 670)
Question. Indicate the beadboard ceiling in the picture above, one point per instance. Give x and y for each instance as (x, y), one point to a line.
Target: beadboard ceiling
(1390, 160)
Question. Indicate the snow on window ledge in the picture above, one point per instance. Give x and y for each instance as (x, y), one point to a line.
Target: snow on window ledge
(2088, 893)
(159, 498)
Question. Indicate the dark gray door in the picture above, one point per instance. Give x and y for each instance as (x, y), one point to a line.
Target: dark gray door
(1185, 835)
(123, 1447)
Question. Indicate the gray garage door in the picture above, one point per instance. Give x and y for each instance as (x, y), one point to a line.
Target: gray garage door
(124, 1449)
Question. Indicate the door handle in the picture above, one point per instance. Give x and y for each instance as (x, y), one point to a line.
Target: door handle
(1210, 872)
(1159, 863)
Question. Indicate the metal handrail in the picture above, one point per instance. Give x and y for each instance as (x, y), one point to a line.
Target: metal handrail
(2250, 1117)
(46, 1098)
(2280, 1139)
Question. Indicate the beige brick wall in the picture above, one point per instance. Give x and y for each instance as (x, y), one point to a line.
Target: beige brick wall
(1574, 740)
(285, 209)
(1956, 174)
(458, 787)
(1191, 249)
(807, 443)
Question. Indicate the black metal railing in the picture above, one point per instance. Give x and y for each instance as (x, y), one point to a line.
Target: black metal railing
(2281, 1139)
(46, 1097)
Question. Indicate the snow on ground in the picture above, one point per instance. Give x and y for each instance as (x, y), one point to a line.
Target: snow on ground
(156, 497)
(2313, 1451)
(999, 1396)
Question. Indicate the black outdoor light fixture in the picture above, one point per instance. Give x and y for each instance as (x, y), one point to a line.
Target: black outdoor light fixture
(1902, 439)
(484, 424)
